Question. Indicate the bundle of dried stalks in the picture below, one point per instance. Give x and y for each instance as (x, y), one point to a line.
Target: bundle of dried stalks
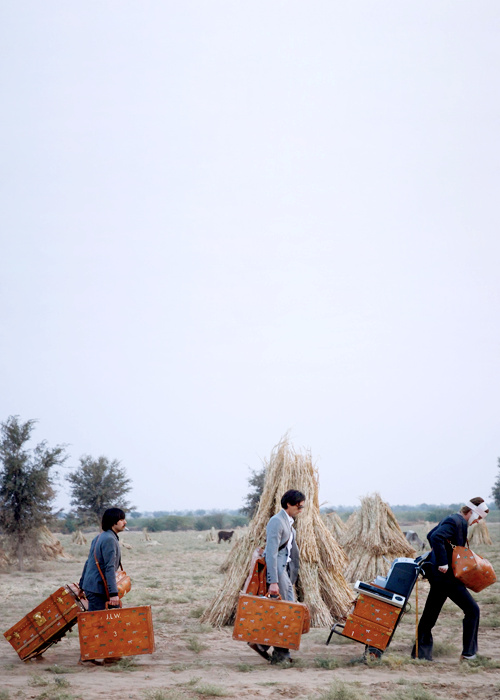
(145, 535)
(211, 536)
(49, 547)
(321, 584)
(79, 538)
(479, 534)
(4, 560)
(335, 524)
(372, 539)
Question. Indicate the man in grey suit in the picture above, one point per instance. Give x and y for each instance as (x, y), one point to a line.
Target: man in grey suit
(282, 561)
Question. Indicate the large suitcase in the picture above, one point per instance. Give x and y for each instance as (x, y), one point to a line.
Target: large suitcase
(116, 632)
(377, 611)
(46, 624)
(270, 621)
(363, 630)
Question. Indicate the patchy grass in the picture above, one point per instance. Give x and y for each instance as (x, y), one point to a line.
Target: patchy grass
(412, 692)
(245, 668)
(493, 622)
(38, 681)
(197, 612)
(209, 690)
(193, 644)
(165, 694)
(443, 649)
(127, 663)
(327, 664)
(341, 691)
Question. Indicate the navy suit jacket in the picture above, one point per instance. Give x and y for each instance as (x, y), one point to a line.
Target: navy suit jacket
(107, 549)
(452, 529)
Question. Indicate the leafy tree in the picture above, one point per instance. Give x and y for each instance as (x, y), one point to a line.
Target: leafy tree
(256, 482)
(26, 483)
(496, 489)
(96, 485)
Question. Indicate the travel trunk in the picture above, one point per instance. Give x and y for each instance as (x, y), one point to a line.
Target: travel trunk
(47, 623)
(270, 621)
(116, 632)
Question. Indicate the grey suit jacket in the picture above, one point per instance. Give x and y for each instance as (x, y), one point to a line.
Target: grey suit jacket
(277, 534)
(107, 549)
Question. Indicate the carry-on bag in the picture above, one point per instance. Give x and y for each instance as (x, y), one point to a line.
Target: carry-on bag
(270, 621)
(47, 623)
(116, 632)
(473, 571)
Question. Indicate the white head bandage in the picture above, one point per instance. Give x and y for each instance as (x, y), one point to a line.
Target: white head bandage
(481, 510)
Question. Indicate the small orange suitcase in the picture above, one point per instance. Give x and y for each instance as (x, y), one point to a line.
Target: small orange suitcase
(368, 632)
(116, 632)
(270, 621)
(377, 611)
(46, 624)
(474, 571)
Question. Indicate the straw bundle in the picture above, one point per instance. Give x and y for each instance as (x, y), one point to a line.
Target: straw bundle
(321, 584)
(211, 535)
(145, 535)
(372, 539)
(335, 524)
(79, 538)
(479, 534)
(4, 560)
(49, 546)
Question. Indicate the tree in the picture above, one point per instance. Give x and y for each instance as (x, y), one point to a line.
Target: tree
(26, 483)
(96, 485)
(256, 482)
(496, 489)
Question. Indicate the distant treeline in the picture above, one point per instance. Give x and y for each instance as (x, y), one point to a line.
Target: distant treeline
(422, 512)
(220, 521)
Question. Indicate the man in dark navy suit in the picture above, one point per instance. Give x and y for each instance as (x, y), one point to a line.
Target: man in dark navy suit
(450, 531)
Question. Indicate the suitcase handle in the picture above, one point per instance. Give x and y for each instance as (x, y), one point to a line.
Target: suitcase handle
(273, 597)
(113, 607)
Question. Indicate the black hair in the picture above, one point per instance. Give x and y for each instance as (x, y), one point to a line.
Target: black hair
(110, 517)
(292, 498)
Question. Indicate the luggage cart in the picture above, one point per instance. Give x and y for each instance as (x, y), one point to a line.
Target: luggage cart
(380, 606)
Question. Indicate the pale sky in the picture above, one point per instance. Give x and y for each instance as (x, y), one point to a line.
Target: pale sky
(223, 220)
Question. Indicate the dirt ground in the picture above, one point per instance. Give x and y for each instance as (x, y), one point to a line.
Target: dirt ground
(178, 577)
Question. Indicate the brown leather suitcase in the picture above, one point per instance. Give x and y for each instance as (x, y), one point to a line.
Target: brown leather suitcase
(370, 633)
(46, 624)
(377, 611)
(472, 570)
(270, 621)
(116, 632)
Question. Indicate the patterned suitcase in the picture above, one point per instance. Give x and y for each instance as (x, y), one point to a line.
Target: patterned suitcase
(377, 611)
(368, 632)
(46, 624)
(116, 632)
(474, 571)
(269, 621)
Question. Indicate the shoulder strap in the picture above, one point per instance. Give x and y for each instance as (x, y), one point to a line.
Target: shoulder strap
(99, 569)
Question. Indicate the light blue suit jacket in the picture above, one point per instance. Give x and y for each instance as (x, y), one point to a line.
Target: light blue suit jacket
(107, 550)
(277, 534)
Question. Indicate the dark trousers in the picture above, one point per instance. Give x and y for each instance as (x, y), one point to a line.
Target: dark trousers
(96, 601)
(445, 586)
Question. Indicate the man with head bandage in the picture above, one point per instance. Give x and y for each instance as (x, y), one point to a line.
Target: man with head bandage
(450, 531)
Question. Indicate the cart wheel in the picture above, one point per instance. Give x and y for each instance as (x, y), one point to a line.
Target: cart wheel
(373, 653)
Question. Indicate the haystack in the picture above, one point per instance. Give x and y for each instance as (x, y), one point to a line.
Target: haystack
(211, 535)
(335, 524)
(4, 560)
(145, 535)
(49, 547)
(372, 539)
(321, 584)
(479, 534)
(79, 538)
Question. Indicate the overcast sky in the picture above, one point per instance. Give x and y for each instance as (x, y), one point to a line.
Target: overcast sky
(224, 220)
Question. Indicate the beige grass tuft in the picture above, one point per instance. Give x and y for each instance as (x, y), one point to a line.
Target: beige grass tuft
(372, 539)
(321, 584)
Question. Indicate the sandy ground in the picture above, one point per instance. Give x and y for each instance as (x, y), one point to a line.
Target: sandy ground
(177, 578)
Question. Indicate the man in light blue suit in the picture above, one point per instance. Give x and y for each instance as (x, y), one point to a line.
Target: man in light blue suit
(282, 560)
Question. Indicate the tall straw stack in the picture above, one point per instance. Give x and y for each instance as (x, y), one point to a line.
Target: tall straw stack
(479, 534)
(372, 533)
(49, 546)
(335, 524)
(321, 584)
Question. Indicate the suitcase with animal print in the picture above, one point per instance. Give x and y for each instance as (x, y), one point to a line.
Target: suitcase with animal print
(270, 621)
(377, 611)
(368, 632)
(116, 632)
(47, 623)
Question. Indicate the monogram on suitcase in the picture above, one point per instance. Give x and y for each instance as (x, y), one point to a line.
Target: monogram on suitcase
(116, 632)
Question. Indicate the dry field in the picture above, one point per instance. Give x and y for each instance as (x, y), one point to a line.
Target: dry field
(177, 578)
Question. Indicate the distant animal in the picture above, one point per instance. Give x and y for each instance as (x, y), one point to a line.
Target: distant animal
(414, 539)
(224, 536)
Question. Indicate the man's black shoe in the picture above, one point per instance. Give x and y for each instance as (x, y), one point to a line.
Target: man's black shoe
(260, 650)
